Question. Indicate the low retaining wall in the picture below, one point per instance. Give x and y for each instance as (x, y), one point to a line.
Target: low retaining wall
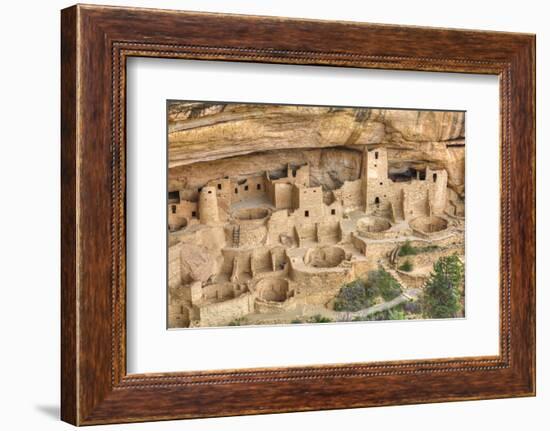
(221, 313)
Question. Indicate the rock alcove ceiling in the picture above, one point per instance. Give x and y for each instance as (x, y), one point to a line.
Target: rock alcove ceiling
(247, 139)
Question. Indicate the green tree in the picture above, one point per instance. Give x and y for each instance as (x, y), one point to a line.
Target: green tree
(442, 291)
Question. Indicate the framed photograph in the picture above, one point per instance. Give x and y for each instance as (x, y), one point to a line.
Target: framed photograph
(324, 215)
(345, 224)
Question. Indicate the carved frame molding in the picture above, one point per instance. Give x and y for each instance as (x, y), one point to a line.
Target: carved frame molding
(96, 42)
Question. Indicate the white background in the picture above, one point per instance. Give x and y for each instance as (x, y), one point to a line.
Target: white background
(29, 220)
(151, 348)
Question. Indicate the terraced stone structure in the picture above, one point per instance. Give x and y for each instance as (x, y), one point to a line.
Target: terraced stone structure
(276, 245)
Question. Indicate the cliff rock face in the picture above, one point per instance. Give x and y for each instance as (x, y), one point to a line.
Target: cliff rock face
(328, 167)
(273, 135)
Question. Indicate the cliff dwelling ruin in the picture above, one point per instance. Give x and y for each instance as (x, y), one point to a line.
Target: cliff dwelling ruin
(269, 234)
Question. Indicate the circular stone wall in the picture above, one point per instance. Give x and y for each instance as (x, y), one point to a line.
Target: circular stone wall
(372, 225)
(251, 214)
(324, 257)
(429, 224)
(273, 290)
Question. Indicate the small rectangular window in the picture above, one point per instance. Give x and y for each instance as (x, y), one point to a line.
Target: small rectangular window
(306, 213)
(174, 195)
(173, 209)
(245, 188)
(236, 190)
(219, 186)
(333, 211)
(193, 213)
(376, 155)
(258, 186)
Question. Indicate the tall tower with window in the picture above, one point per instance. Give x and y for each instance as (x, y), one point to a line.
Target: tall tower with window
(374, 177)
(208, 206)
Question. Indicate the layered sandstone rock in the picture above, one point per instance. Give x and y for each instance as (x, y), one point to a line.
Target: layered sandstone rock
(328, 167)
(273, 135)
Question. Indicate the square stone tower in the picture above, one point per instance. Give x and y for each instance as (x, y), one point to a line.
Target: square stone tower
(376, 189)
(308, 201)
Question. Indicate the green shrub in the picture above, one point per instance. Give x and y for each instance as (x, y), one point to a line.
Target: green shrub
(407, 266)
(383, 284)
(358, 294)
(428, 248)
(319, 319)
(294, 321)
(407, 249)
(352, 297)
(237, 322)
(396, 314)
(412, 307)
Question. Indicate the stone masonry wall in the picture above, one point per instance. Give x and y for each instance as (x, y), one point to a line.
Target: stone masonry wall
(329, 231)
(278, 225)
(308, 202)
(282, 196)
(318, 288)
(174, 266)
(222, 313)
(350, 194)
(181, 214)
(250, 188)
